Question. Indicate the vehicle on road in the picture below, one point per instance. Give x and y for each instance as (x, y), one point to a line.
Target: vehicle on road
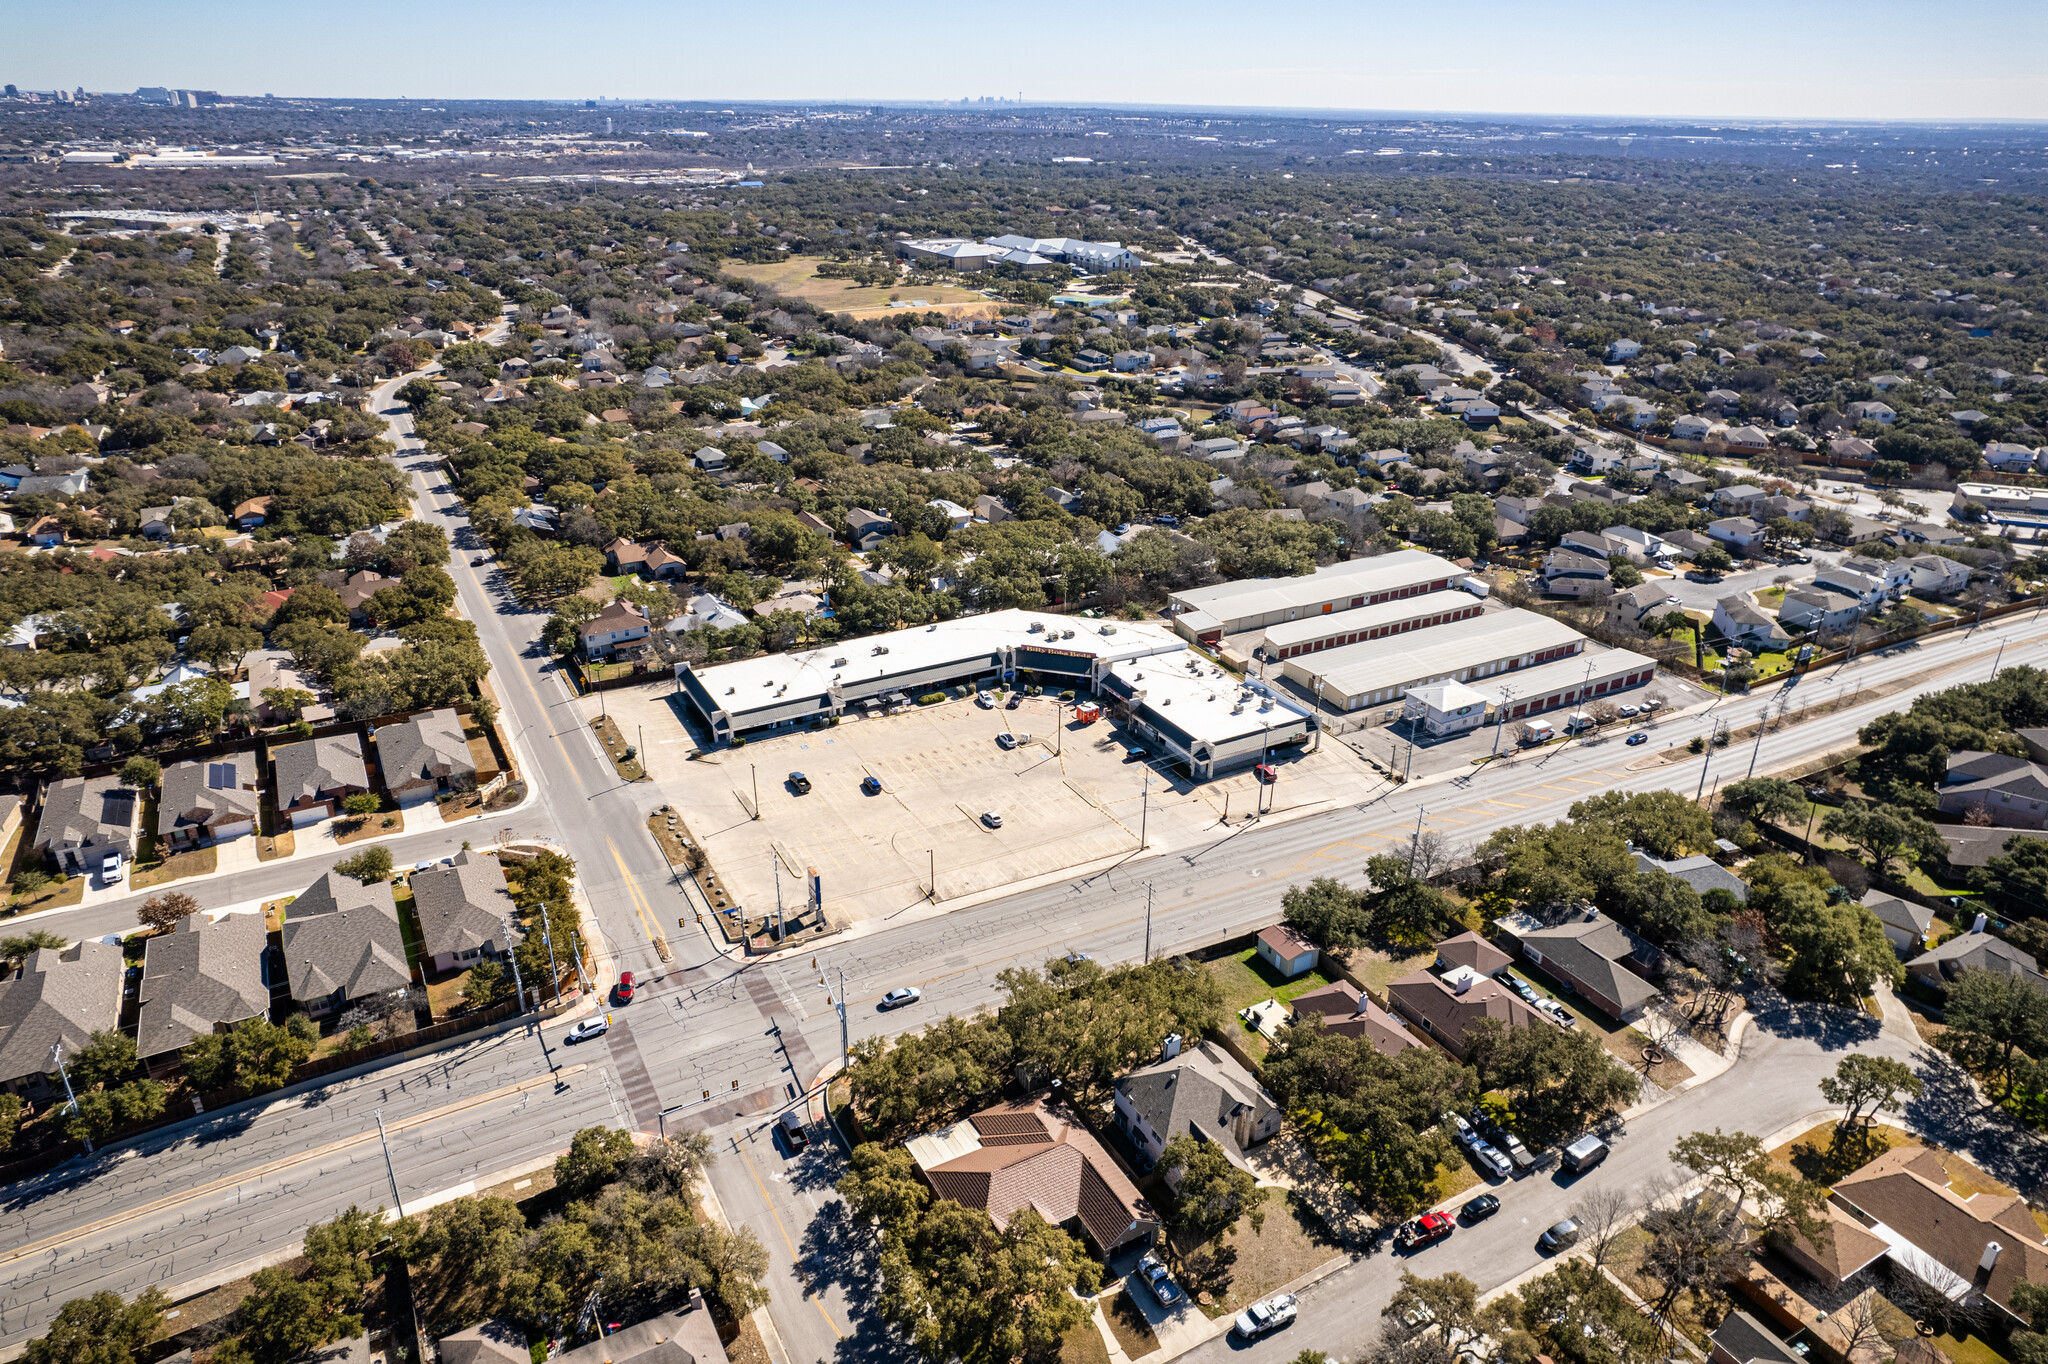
(800, 783)
(791, 1126)
(1425, 1230)
(985, 700)
(902, 995)
(1480, 1208)
(587, 1029)
(1262, 1318)
(623, 991)
(111, 870)
(479, 561)
(1584, 1154)
(1159, 1281)
(1266, 773)
(1006, 740)
(871, 786)
(1635, 739)
(991, 819)
(1562, 1236)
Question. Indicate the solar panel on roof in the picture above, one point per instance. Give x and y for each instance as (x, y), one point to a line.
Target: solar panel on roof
(220, 776)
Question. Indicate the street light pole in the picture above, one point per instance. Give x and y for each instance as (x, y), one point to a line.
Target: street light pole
(640, 732)
(1415, 842)
(757, 788)
(389, 1169)
(554, 971)
(1706, 761)
(1145, 814)
(1148, 923)
(71, 1105)
(1500, 718)
(576, 952)
(518, 986)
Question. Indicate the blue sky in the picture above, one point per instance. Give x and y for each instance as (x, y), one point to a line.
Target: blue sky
(1821, 59)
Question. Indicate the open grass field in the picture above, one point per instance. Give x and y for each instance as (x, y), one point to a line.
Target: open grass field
(797, 278)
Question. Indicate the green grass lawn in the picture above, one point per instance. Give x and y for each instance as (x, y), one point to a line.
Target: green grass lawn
(1246, 979)
(1379, 971)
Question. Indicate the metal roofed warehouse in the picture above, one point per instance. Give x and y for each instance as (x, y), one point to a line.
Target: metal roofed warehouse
(780, 691)
(1259, 602)
(1364, 623)
(1372, 674)
(1208, 719)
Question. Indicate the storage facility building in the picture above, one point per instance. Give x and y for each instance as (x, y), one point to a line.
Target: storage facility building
(1365, 623)
(1567, 682)
(1372, 674)
(1207, 614)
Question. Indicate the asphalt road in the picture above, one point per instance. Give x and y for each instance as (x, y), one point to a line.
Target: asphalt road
(189, 1206)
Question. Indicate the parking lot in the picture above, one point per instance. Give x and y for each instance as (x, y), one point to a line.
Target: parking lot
(1069, 798)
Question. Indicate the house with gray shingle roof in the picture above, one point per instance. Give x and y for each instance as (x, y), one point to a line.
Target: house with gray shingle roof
(86, 818)
(1906, 925)
(1702, 873)
(425, 755)
(203, 978)
(1201, 1092)
(62, 995)
(342, 943)
(315, 776)
(1976, 950)
(1591, 954)
(463, 909)
(210, 801)
(2011, 792)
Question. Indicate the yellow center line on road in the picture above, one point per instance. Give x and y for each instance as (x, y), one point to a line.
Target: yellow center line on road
(641, 908)
(769, 1203)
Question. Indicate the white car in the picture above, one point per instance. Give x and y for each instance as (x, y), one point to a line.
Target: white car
(984, 700)
(902, 995)
(111, 870)
(1270, 1315)
(1631, 712)
(992, 819)
(1490, 1158)
(588, 1028)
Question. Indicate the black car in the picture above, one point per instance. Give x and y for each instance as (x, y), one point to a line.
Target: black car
(1480, 1208)
(800, 783)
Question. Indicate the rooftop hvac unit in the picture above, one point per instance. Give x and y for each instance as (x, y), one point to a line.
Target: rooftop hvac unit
(1066, 634)
(838, 662)
(1037, 627)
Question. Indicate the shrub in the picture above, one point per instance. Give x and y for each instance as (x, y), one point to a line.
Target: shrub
(931, 698)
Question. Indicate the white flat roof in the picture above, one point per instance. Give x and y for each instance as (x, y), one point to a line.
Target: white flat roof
(1294, 632)
(1565, 674)
(1203, 700)
(1426, 655)
(1357, 577)
(771, 679)
(933, 1149)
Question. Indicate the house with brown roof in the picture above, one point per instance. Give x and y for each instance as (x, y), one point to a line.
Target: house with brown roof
(619, 626)
(1444, 1007)
(1344, 1010)
(1469, 949)
(1026, 1154)
(624, 556)
(1975, 1249)
(253, 513)
(274, 671)
(1847, 1249)
(1286, 951)
(356, 589)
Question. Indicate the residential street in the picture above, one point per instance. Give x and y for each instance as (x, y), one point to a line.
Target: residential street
(233, 1188)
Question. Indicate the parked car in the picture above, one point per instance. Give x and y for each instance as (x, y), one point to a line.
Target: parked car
(1584, 1154)
(1006, 740)
(623, 991)
(1635, 739)
(1267, 1316)
(1630, 712)
(902, 995)
(1425, 1230)
(1460, 1129)
(1511, 1146)
(984, 700)
(1490, 1159)
(1563, 1236)
(587, 1029)
(1016, 700)
(1266, 773)
(1159, 1281)
(111, 870)
(800, 783)
(791, 1126)
(1480, 1208)
(991, 819)
(871, 786)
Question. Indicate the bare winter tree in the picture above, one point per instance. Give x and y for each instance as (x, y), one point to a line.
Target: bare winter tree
(1432, 855)
(1603, 1215)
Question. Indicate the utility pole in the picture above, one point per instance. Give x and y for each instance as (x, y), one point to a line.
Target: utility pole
(71, 1104)
(640, 733)
(1500, 719)
(757, 788)
(518, 986)
(844, 1063)
(554, 971)
(576, 951)
(1415, 842)
(1409, 771)
(775, 870)
(389, 1169)
(1706, 761)
(1145, 814)
(1996, 659)
(1763, 722)
(932, 867)
(1148, 923)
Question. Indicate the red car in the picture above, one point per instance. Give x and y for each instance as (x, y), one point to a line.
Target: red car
(623, 992)
(1266, 773)
(1425, 1230)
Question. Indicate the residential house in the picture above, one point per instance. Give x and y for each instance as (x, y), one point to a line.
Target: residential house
(624, 556)
(1939, 967)
(1931, 575)
(688, 1336)
(253, 513)
(957, 516)
(62, 996)
(424, 755)
(1872, 411)
(1873, 580)
(53, 485)
(1286, 951)
(1825, 609)
(1742, 1339)
(1567, 573)
(1682, 483)
(1975, 1249)
(1743, 622)
(621, 625)
(209, 802)
(1738, 499)
(866, 529)
(154, 523)
(1027, 1154)
(1849, 529)
(1778, 507)
(311, 779)
(1201, 1093)
(355, 591)
(1691, 428)
(86, 818)
(1599, 959)
(1622, 349)
(342, 944)
(204, 977)
(2011, 456)
(464, 910)
(1471, 951)
(10, 817)
(709, 459)
(1700, 871)
(1344, 1010)
(1640, 546)
(1906, 925)
(1517, 509)
(1589, 543)
(988, 507)
(1444, 1006)
(1629, 608)
(539, 518)
(1751, 440)
(1847, 1250)
(273, 671)
(2001, 790)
